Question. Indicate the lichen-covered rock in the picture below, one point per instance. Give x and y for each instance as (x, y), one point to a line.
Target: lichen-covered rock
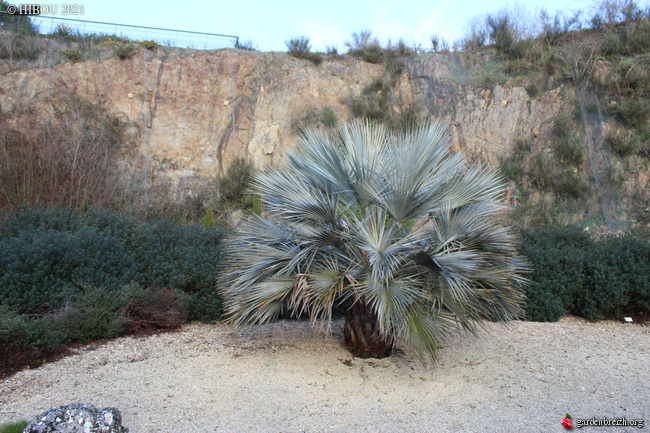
(77, 418)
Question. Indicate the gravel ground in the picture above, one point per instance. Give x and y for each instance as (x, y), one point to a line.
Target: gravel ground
(292, 377)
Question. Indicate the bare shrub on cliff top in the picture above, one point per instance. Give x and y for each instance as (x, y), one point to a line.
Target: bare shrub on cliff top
(366, 47)
(300, 48)
(66, 159)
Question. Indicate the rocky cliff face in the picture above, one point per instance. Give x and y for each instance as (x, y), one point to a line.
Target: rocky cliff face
(197, 111)
(485, 123)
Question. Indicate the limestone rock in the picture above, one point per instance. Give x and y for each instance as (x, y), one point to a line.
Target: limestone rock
(192, 114)
(77, 418)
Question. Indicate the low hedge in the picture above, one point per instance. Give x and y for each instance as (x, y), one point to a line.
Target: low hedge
(572, 274)
(69, 278)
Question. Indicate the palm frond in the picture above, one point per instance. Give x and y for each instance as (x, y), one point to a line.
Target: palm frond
(291, 195)
(426, 330)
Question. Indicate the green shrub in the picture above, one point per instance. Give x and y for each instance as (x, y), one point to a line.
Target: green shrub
(501, 32)
(16, 427)
(310, 118)
(572, 185)
(41, 270)
(624, 143)
(66, 277)
(407, 119)
(595, 280)
(233, 184)
(611, 43)
(373, 103)
(485, 80)
(557, 259)
(208, 219)
(183, 257)
(149, 44)
(315, 58)
(562, 127)
(568, 151)
(180, 256)
(328, 117)
(94, 314)
(204, 305)
(49, 256)
(18, 23)
(358, 108)
(477, 37)
(553, 30)
(91, 315)
(72, 55)
(632, 112)
(110, 223)
(25, 340)
(376, 86)
(123, 48)
(618, 280)
(543, 305)
(38, 218)
(632, 78)
(19, 332)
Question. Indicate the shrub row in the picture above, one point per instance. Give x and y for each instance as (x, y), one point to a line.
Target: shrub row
(47, 257)
(572, 274)
(95, 314)
(69, 278)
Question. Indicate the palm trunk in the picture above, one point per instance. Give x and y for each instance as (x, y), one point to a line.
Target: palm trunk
(361, 334)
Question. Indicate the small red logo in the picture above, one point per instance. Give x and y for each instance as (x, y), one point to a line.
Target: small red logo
(566, 422)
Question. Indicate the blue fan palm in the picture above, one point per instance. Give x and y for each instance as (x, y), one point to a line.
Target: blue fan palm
(394, 224)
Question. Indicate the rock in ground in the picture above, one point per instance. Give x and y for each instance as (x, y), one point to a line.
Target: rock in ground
(77, 418)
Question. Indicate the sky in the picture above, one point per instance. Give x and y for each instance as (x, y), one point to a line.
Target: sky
(268, 24)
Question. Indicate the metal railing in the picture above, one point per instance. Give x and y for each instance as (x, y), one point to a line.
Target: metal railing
(173, 38)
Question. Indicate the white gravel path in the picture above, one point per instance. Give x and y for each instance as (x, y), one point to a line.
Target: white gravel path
(290, 377)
